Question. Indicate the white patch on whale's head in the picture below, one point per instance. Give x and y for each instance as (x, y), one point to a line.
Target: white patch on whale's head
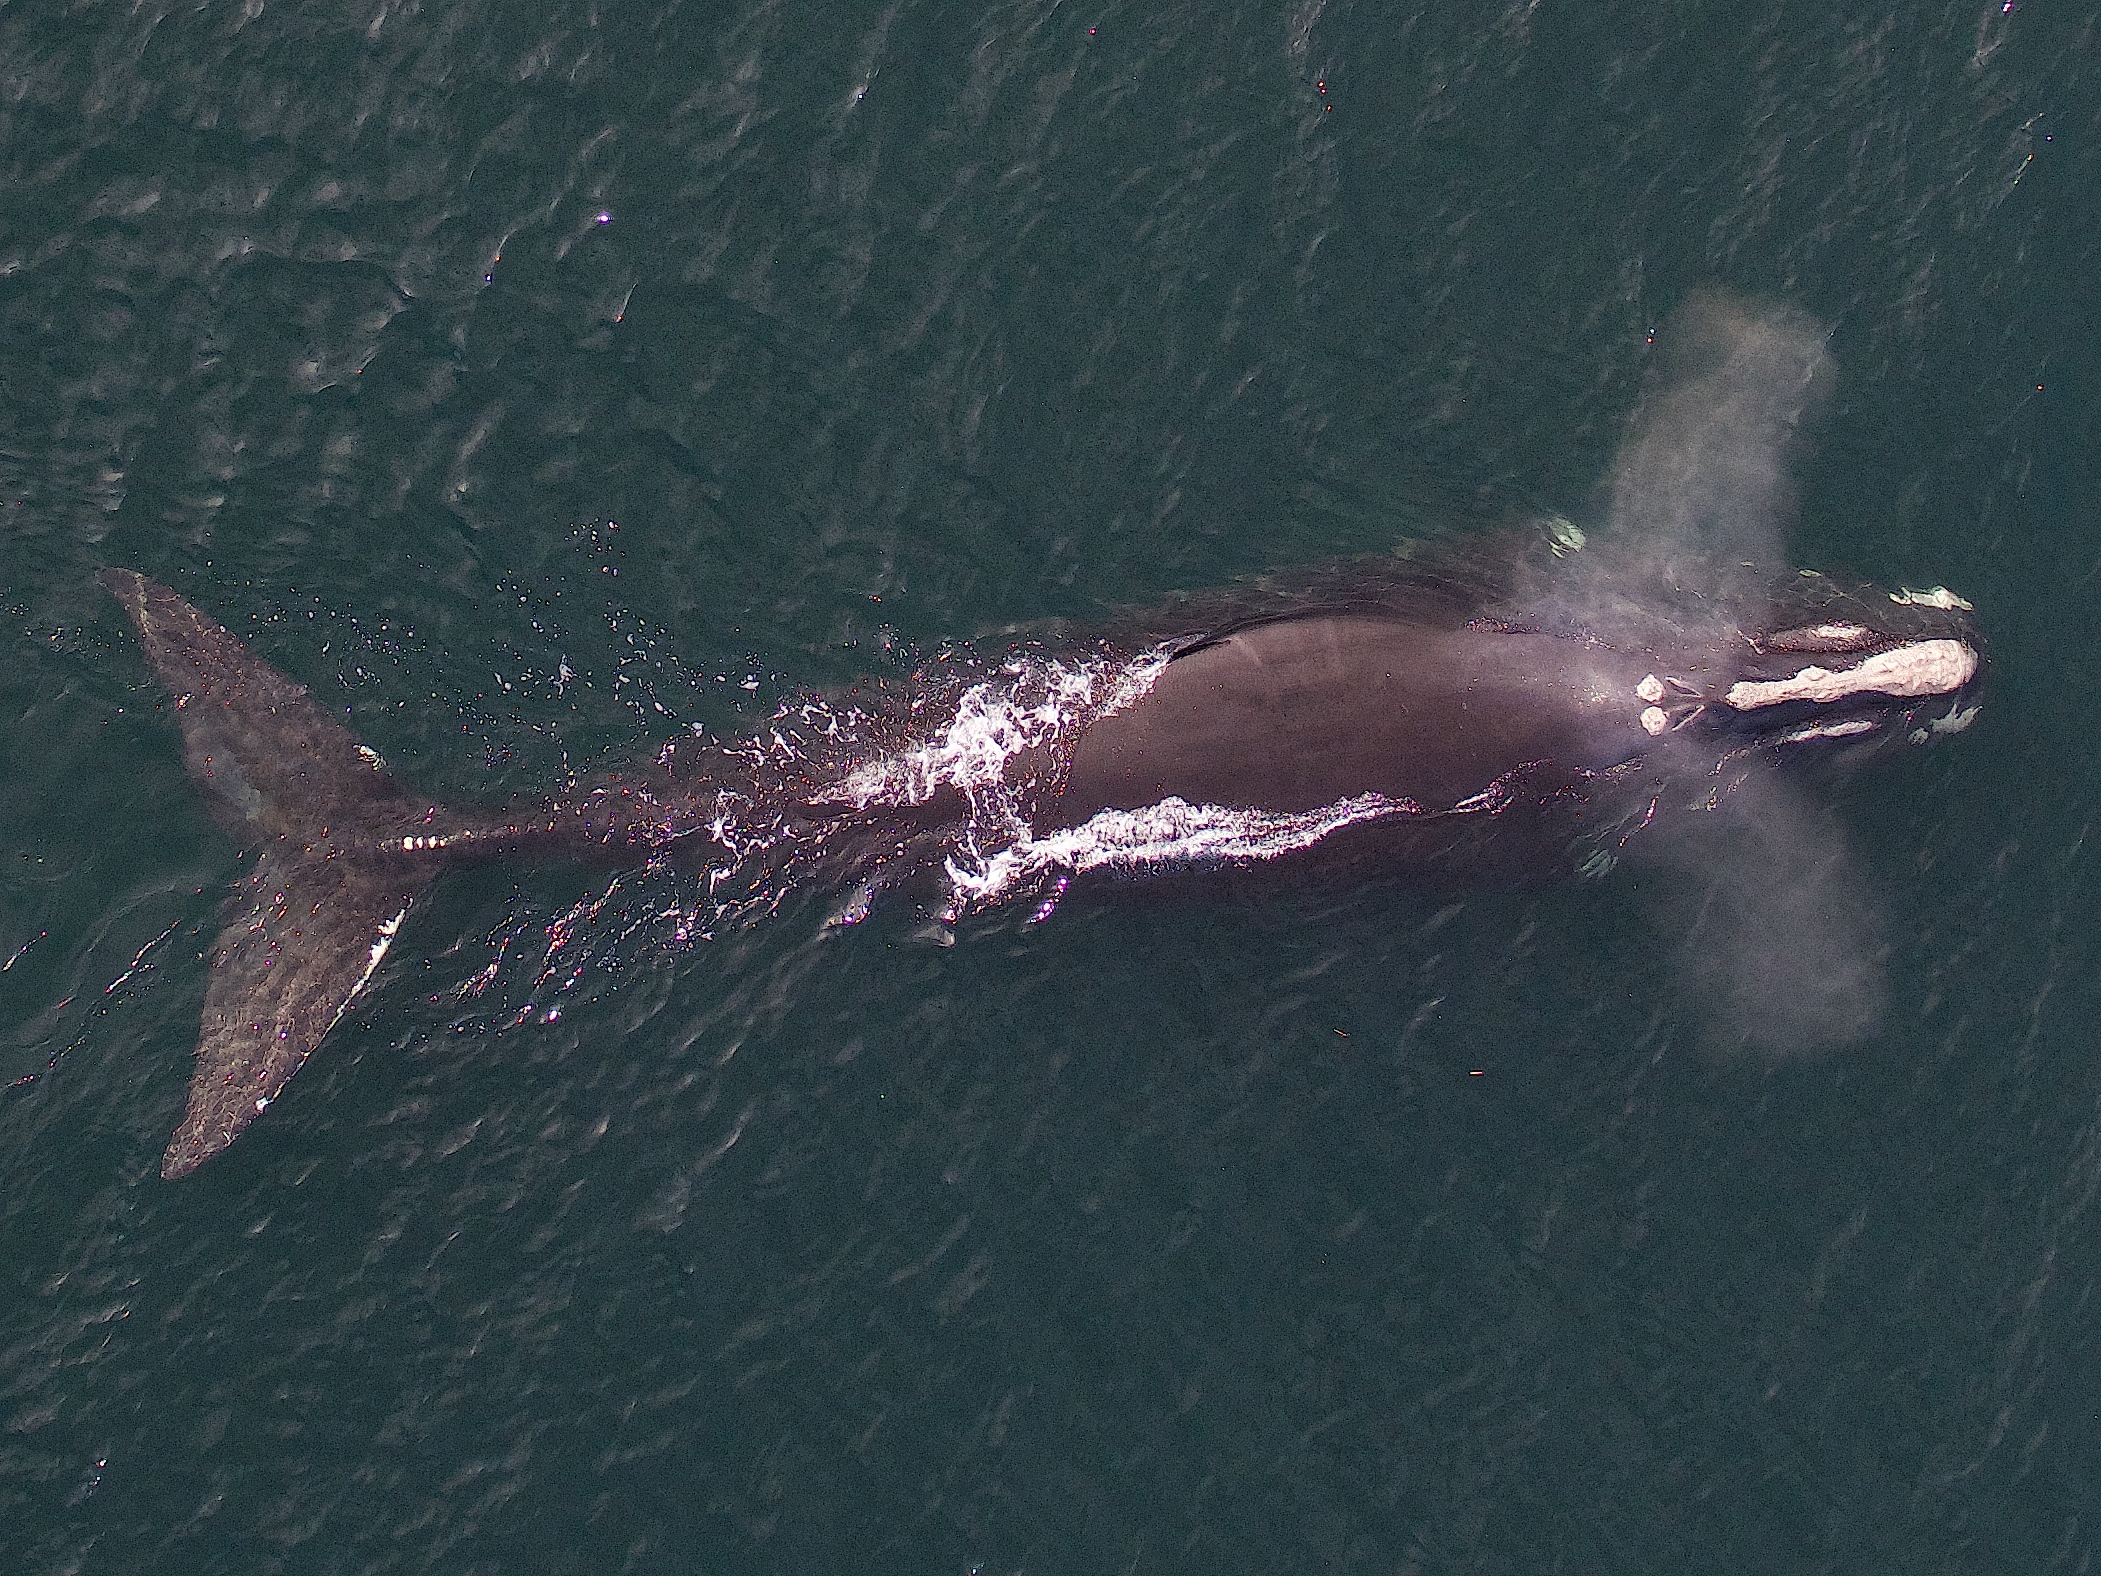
(1911, 671)
(1940, 597)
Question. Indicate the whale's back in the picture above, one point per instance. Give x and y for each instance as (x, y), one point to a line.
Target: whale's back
(1296, 713)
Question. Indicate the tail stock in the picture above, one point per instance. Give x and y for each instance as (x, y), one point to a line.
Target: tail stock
(306, 930)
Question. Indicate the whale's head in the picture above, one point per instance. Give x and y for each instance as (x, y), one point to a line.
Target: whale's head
(1832, 665)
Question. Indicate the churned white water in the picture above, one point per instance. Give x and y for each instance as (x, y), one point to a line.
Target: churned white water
(1169, 834)
(1041, 704)
(1034, 703)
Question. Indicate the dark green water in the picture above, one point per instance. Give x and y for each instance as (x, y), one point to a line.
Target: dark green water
(439, 349)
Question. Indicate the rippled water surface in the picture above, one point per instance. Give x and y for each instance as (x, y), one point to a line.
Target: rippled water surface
(538, 382)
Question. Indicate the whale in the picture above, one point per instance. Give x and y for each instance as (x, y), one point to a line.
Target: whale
(1540, 700)
(1416, 740)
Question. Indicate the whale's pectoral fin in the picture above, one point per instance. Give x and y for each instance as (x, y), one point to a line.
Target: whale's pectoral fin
(1779, 939)
(1701, 493)
(304, 935)
(306, 930)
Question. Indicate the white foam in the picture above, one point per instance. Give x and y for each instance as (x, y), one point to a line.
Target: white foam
(1168, 834)
(1032, 704)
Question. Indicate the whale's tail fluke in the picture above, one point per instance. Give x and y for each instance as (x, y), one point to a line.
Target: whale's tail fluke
(306, 930)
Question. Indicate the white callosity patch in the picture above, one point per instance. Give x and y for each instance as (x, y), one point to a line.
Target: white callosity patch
(1924, 667)
(1169, 834)
(1650, 689)
(1654, 719)
(1940, 597)
(1849, 729)
(1835, 636)
(1958, 718)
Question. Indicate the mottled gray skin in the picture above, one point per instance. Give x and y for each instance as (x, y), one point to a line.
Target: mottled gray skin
(1476, 720)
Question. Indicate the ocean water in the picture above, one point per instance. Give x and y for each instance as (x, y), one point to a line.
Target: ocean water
(537, 382)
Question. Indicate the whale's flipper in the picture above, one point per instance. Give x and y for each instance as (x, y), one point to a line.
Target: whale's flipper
(303, 936)
(1776, 929)
(1701, 494)
(1702, 484)
(306, 930)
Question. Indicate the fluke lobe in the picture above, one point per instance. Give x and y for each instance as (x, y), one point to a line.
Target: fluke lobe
(1523, 701)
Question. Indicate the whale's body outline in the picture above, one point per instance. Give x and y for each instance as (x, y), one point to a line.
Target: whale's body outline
(1417, 742)
(1530, 696)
